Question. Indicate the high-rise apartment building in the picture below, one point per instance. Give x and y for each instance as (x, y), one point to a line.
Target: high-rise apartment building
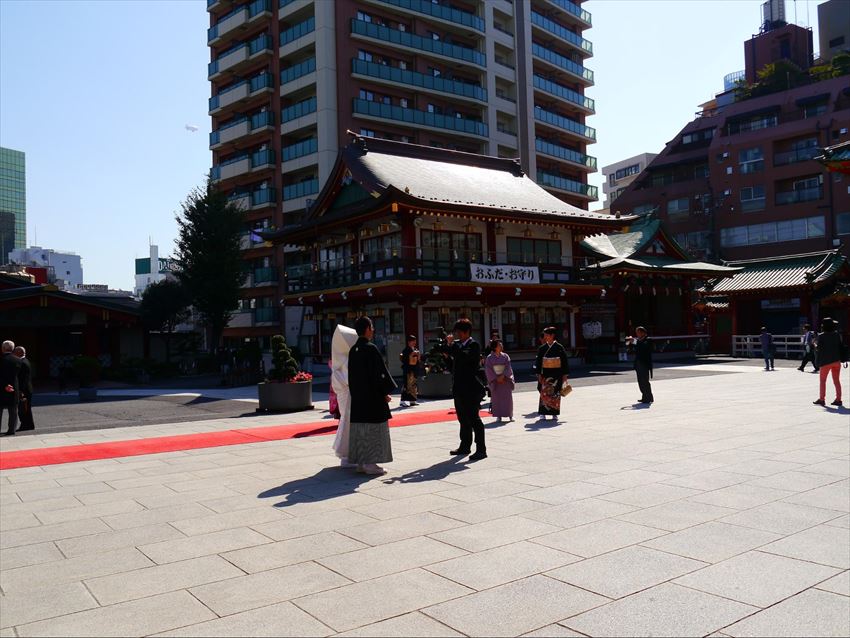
(13, 202)
(289, 77)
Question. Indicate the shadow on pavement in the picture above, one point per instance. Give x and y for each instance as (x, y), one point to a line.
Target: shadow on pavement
(636, 406)
(327, 483)
(543, 424)
(436, 472)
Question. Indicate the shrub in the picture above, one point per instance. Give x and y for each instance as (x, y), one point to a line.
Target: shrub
(86, 371)
(284, 365)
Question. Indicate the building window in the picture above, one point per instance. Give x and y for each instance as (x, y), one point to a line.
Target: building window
(751, 160)
(367, 132)
(791, 230)
(700, 170)
(753, 123)
(693, 241)
(523, 250)
(386, 99)
(402, 102)
(814, 110)
(367, 95)
(381, 248)
(680, 205)
(752, 198)
(455, 247)
(365, 17)
(843, 223)
(634, 169)
(698, 136)
(364, 55)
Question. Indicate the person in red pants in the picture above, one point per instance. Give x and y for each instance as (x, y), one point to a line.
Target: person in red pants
(831, 352)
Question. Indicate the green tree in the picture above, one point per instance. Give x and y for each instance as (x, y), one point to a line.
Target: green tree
(164, 306)
(208, 258)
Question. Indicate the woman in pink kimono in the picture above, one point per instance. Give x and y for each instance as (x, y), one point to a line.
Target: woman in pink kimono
(500, 378)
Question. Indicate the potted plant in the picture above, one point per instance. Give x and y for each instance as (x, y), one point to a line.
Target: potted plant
(87, 372)
(437, 381)
(286, 389)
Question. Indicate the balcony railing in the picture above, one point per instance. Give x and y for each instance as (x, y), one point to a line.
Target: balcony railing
(560, 61)
(301, 189)
(423, 118)
(264, 276)
(576, 10)
(262, 158)
(263, 196)
(413, 41)
(563, 92)
(568, 154)
(799, 155)
(417, 264)
(799, 195)
(305, 147)
(566, 184)
(258, 120)
(298, 109)
(256, 83)
(443, 12)
(413, 78)
(297, 31)
(299, 70)
(564, 123)
(262, 42)
(750, 205)
(266, 315)
(255, 8)
(557, 30)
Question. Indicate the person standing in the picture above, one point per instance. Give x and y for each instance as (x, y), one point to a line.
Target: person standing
(766, 340)
(553, 368)
(500, 378)
(343, 341)
(643, 363)
(467, 389)
(25, 378)
(10, 385)
(410, 358)
(370, 383)
(831, 352)
(808, 340)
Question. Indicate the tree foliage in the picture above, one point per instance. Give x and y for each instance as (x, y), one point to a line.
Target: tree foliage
(165, 305)
(285, 367)
(784, 74)
(208, 256)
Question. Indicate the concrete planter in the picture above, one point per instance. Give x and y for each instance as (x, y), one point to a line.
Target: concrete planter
(87, 394)
(285, 397)
(435, 385)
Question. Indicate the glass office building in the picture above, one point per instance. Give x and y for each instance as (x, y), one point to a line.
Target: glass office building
(13, 202)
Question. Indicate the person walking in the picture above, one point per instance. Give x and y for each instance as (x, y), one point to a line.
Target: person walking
(643, 363)
(500, 378)
(831, 353)
(808, 340)
(767, 350)
(467, 389)
(10, 385)
(25, 402)
(410, 358)
(553, 368)
(342, 342)
(370, 383)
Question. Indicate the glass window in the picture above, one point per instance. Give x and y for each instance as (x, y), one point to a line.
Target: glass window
(815, 227)
(365, 17)
(843, 223)
(736, 236)
(364, 55)
(761, 233)
(534, 251)
(680, 205)
(367, 95)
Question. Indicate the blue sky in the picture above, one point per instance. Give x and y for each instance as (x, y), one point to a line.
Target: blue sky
(98, 94)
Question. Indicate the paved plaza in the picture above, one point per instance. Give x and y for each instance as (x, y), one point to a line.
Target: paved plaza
(723, 509)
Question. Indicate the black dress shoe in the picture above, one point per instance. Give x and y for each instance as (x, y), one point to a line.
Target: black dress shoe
(9, 433)
(478, 456)
(459, 452)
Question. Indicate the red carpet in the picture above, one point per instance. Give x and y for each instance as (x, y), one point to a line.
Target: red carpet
(114, 449)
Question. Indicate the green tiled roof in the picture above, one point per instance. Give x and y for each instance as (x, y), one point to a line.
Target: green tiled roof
(781, 272)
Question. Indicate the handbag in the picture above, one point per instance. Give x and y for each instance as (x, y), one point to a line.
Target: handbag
(566, 389)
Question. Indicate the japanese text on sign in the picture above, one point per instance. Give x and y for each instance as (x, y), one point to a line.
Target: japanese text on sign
(504, 274)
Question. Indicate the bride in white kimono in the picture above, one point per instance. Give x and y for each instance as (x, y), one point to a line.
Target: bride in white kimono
(343, 340)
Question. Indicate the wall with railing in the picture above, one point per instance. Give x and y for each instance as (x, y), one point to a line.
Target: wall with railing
(785, 346)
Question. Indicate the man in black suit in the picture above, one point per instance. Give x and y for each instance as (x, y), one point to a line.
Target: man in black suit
(25, 379)
(10, 387)
(465, 355)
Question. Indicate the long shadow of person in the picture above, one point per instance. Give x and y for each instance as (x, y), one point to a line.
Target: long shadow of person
(542, 424)
(327, 483)
(636, 406)
(434, 473)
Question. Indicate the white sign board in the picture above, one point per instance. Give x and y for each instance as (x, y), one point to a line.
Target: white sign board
(504, 274)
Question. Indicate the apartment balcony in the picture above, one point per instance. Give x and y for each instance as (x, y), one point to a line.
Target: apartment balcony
(296, 32)
(261, 160)
(437, 12)
(416, 43)
(424, 119)
(243, 163)
(241, 127)
(300, 109)
(266, 316)
(212, 5)
(573, 12)
(248, 240)
(301, 189)
(262, 83)
(793, 157)
(799, 195)
(242, 319)
(557, 182)
(553, 88)
(260, 198)
(561, 63)
(238, 19)
(305, 147)
(585, 162)
(564, 124)
(236, 57)
(411, 263)
(381, 74)
(264, 277)
(552, 28)
(297, 71)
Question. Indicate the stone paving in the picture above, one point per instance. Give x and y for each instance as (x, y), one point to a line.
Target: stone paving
(724, 509)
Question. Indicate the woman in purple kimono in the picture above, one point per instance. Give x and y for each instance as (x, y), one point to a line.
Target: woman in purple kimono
(500, 378)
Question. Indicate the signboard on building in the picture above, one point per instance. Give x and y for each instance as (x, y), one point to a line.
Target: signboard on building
(504, 274)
